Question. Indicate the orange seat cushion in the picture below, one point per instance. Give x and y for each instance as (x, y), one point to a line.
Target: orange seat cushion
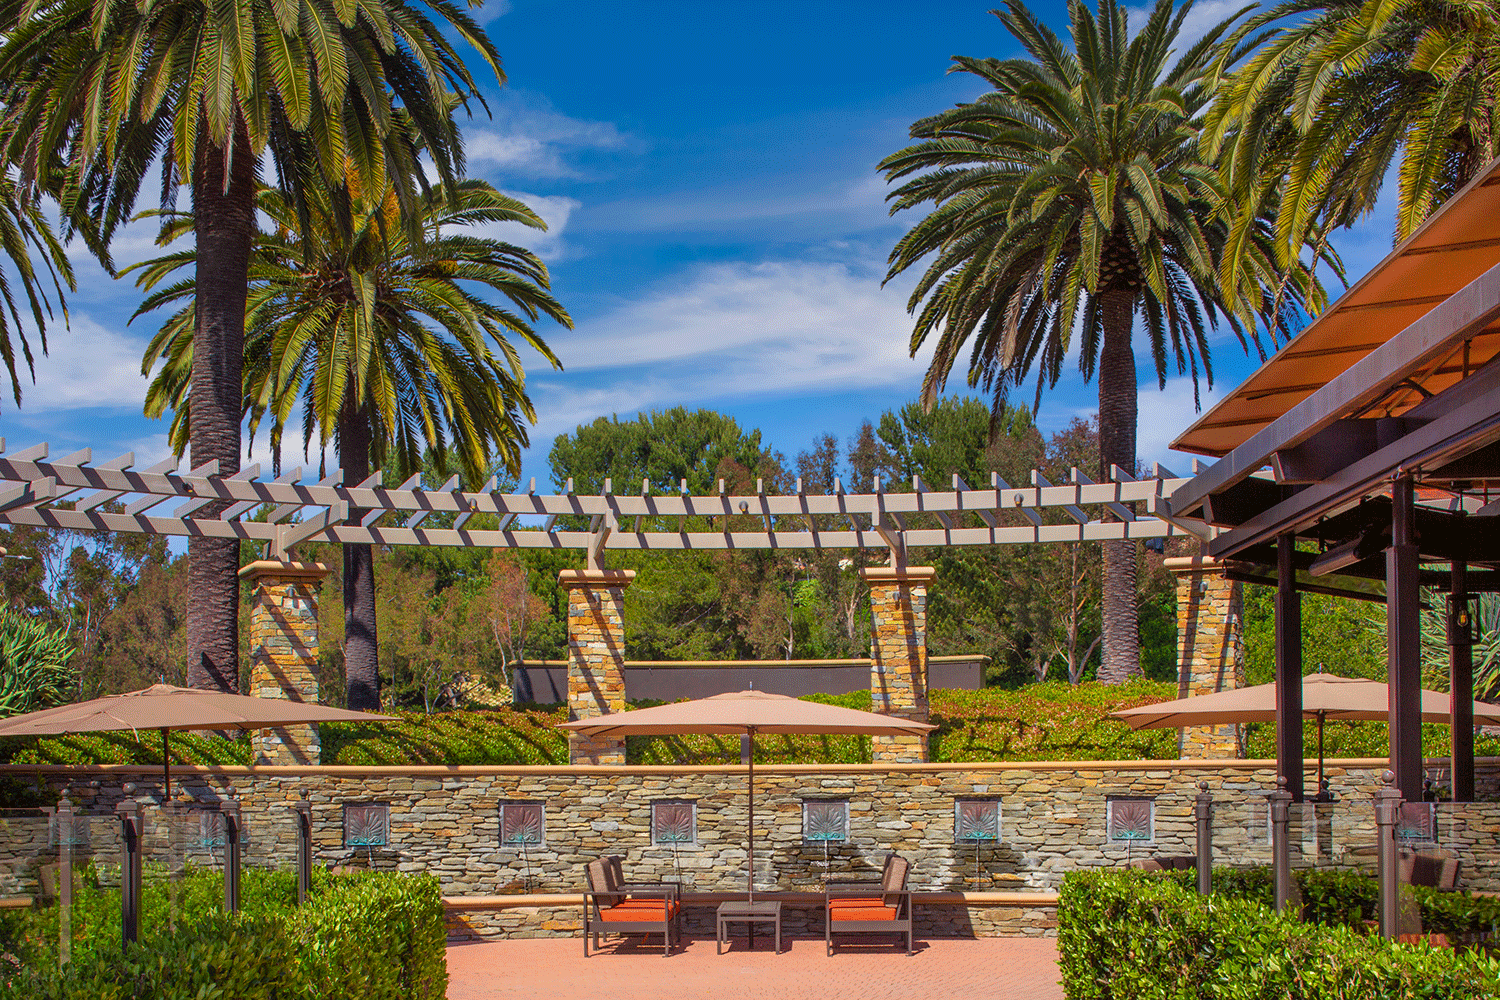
(873, 912)
(854, 902)
(640, 911)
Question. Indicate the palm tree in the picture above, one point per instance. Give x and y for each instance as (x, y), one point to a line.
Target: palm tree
(24, 229)
(1338, 91)
(99, 92)
(1071, 199)
(384, 343)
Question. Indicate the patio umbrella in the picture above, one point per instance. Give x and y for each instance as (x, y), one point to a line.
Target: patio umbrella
(746, 713)
(165, 707)
(1324, 696)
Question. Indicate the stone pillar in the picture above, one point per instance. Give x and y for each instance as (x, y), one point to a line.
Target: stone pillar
(898, 655)
(284, 652)
(596, 656)
(1210, 649)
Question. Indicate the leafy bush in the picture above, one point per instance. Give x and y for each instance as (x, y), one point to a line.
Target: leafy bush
(1347, 898)
(366, 936)
(1126, 935)
(36, 664)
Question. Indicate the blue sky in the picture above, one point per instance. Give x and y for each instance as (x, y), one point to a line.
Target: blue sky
(717, 227)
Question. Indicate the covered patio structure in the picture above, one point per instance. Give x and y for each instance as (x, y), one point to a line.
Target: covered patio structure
(1364, 460)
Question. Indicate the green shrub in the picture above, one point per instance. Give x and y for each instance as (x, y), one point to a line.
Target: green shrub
(367, 936)
(1132, 935)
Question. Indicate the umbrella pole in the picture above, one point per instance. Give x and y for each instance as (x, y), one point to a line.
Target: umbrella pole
(166, 768)
(1320, 753)
(751, 886)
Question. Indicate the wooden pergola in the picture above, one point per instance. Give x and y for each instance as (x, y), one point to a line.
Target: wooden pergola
(74, 493)
(1364, 459)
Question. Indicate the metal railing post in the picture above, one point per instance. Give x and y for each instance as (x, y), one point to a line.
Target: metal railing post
(1203, 809)
(1281, 848)
(129, 813)
(1387, 810)
(231, 810)
(303, 810)
(65, 832)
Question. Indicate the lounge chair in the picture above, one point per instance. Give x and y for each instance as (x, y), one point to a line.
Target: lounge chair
(610, 908)
(882, 907)
(1435, 868)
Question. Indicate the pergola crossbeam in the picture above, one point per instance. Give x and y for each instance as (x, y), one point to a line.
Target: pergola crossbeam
(799, 520)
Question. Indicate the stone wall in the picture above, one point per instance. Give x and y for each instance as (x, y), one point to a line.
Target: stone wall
(1054, 819)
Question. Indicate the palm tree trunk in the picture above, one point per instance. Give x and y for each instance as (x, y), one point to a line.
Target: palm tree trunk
(224, 209)
(361, 643)
(1117, 418)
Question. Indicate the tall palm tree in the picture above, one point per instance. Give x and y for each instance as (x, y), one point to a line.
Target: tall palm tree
(24, 230)
(1069, 201)
(1339, 91)
(98, 92)
(382, 339)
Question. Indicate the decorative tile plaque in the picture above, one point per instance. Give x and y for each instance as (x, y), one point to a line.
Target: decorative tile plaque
(825, 820)
(367, 824)
(976, 821)
(1130, 820)
(523, 824)
(1417, 823)
(674, 822)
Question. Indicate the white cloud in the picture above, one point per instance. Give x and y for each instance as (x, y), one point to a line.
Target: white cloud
(719, 208)
(88, 365)
(1165, 413)
(529, 138)
(555, 210)
(489, 10)
(732, 331)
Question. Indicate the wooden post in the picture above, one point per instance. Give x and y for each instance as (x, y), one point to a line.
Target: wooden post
(1289, 759)
(1404, 643)
(1461, 683)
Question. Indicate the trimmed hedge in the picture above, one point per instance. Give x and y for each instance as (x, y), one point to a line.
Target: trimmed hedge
(1348, 898)
(1126, 935)
(368, 936)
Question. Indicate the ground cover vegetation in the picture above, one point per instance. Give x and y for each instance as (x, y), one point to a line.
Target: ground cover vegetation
(367, 936)
(1132, 934)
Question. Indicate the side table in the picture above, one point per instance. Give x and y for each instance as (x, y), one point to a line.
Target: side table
(748, 914)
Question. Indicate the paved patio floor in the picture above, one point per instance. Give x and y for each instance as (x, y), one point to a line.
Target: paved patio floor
(998, 968)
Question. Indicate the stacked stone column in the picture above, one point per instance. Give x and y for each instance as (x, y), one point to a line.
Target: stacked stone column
(1210, 649)
(596, 656)
(284, 652)
(898, 655)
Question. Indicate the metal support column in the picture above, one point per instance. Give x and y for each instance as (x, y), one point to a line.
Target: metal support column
(65, 837)
(1203, 811)
(131, 829)
(1404, 643)
(1461, 682)
(1289, 757)
(1387, 810)
(303, 810)
(231, 810)
(1281, 846)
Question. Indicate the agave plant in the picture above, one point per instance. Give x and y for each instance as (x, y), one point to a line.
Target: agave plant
(1486, 649)
(36, 664)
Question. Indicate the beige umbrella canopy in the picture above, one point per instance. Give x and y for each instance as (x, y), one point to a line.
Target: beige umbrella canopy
(746, 712)
(1324, 696)
(165, 707)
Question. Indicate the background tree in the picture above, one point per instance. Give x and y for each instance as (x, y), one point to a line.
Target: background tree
(35, 664)
(1308, 126)
(99, 93)
(386, 344)
(1072, 198)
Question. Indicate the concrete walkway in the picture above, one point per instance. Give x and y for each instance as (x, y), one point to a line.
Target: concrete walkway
(997, 968)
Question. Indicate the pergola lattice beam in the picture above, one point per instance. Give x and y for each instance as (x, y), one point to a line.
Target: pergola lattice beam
(325, 510)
